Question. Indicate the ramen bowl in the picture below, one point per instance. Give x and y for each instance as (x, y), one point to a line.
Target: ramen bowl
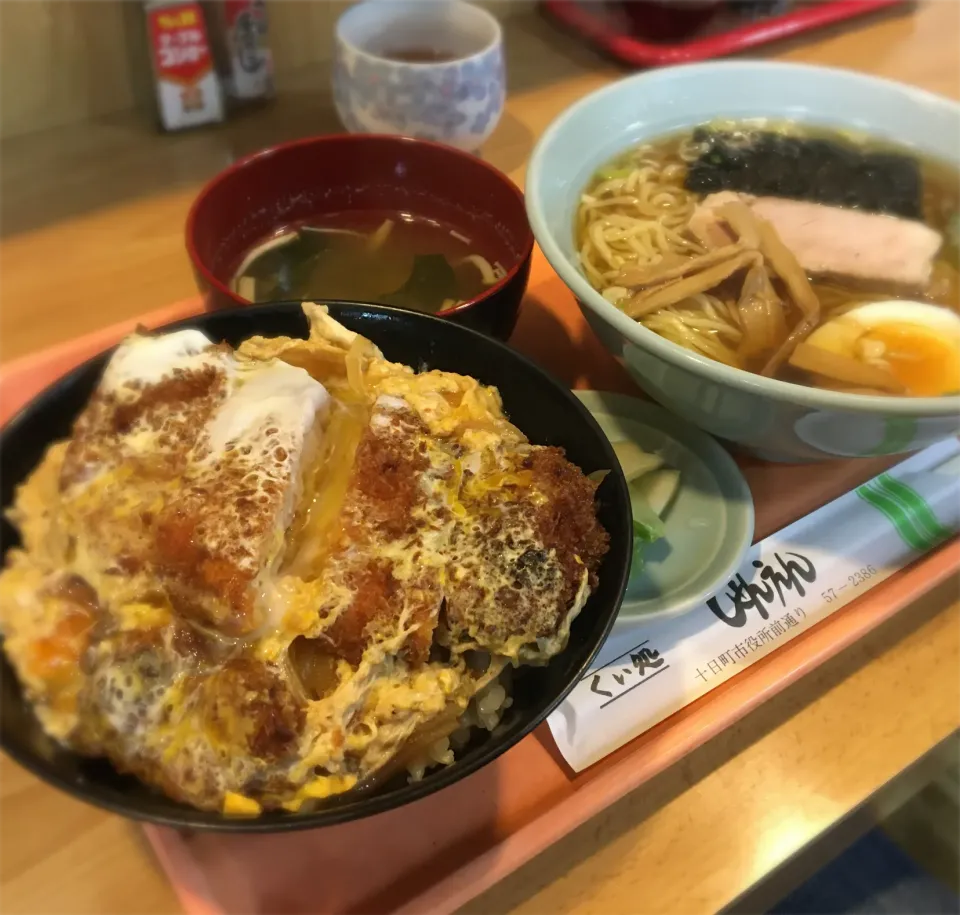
(304, 180)
(777, 420)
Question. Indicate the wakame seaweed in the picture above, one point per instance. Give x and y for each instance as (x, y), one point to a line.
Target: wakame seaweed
(807, 168)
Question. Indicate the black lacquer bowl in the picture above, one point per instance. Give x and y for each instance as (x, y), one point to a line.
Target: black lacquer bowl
(539, 405)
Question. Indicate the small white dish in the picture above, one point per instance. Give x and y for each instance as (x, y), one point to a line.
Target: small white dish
(709, 524)
(457, 100)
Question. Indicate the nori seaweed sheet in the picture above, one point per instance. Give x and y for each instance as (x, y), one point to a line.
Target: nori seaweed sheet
(808, 168)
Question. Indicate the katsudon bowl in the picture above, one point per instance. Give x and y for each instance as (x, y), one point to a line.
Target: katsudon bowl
(777, 419)
(537, 404)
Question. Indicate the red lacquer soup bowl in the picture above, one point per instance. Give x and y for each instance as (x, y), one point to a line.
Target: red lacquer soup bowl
(305, 179)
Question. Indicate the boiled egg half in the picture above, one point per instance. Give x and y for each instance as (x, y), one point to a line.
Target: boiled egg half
(918, 343)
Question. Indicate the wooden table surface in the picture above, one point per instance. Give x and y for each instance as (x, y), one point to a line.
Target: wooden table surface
(91, 233)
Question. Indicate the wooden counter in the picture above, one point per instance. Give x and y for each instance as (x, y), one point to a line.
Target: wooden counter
(91, 232)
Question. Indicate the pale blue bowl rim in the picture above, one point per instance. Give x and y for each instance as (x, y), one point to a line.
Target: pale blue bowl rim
(672, 352)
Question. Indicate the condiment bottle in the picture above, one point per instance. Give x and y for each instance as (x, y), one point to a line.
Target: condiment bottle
(188, 90)
(242, 54)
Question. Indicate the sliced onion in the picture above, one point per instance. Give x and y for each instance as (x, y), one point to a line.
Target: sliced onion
(246, 287)
(375, 242)
(803, 329)
(761, 314)
(278, 241)
(746, 223)
(488, 275)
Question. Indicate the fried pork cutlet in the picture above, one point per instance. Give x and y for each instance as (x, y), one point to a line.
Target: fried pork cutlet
(256, 578)
(184, 471)
(525, 559)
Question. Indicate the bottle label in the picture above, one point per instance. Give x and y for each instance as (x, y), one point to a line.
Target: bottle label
(188, 91)
(251, 64)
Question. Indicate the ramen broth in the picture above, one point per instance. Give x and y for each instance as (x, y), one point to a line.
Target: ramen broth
(634, 235)
(383, 257)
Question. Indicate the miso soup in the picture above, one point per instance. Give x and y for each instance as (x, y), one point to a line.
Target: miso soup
(383, 257)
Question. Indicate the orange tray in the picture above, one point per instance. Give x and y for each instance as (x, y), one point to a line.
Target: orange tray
(476, 832)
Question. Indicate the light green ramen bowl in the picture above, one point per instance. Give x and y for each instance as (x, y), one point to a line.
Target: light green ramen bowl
(777, 420)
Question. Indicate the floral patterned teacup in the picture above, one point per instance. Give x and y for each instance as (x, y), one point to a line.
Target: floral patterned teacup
(431, 69)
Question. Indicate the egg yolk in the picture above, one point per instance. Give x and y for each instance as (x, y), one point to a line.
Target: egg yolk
(926, 363)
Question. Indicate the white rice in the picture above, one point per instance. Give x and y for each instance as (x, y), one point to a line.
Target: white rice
(485, 710)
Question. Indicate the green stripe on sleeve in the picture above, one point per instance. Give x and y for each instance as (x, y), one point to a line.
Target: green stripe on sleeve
(895, 514)
(919, 512)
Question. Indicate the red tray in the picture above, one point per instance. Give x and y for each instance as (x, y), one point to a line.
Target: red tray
(436, 854)
(592, 20)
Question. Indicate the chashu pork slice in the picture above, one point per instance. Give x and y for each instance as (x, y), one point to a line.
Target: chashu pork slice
(830, 241)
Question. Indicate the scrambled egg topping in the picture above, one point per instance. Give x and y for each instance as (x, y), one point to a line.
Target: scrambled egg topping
(262, 577)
